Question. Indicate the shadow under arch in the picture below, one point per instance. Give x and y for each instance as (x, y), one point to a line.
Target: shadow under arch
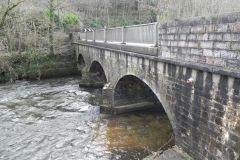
(96, 72)
(131, 89)
(81, 62)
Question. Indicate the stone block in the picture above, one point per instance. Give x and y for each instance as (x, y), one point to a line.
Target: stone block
(222, 28)
(193, 44)
(162, 30)
(173, 55)
(233, 64)
(186, 50)
(235, 46)
(192, 37)
(197, 51)
(198, 29)
(215, 37)
(206, 44)
(170, 37)
(228, 54)
(165, 43)
(164, 37)
(166, 54)
(217, 53)
(209, 28)
(222, 45)
(210, 60)
(208, 53)
(177, 37)
(202, 37)
(172, 30)
(230, 37)
(201, 59)
(219, 62)
(174, 43)
(174, 49)
(184, 29)
(235, 27)
(183, 37)
(182, 44)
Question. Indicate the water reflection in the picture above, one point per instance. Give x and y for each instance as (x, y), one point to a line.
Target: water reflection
(135, 135)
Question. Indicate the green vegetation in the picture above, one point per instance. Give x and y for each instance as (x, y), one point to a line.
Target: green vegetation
(189, 158)
(29, 45)
(17, 66)
(93, 23)
(152, 16)
(33, 65)
(70, 19)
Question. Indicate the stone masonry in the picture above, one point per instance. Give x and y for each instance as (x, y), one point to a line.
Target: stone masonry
(195, 75)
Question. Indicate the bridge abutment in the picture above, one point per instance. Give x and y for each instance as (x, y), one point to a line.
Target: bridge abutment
(107, 99)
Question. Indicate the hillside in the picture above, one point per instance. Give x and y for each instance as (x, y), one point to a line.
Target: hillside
(127, 12)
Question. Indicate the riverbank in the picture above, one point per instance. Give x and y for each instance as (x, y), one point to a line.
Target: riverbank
(36, 65)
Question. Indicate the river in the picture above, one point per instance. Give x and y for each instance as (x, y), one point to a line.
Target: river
(55, 119)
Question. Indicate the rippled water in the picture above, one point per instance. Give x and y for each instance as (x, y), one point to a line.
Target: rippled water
(55, 119)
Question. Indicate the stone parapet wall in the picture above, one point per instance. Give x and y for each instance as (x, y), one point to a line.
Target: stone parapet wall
(213, 41)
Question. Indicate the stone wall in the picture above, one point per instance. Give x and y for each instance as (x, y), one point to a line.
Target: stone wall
(213, 41)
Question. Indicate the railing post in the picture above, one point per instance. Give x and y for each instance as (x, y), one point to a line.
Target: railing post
(85, 36)
(156, 35)
(123, 35)
(93, 35)
(105, 34)
(78, 36)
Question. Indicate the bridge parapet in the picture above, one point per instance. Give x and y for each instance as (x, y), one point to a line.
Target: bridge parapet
(206, 43)
(146, 34)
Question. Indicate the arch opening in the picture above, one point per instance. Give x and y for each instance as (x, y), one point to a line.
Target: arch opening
(130, 90)
(97, 73)
(81, 61)
(133, 96)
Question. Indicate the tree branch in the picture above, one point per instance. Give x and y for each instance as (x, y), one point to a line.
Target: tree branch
(7, 12)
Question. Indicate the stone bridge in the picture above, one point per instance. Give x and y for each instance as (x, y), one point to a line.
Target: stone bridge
(191, 68)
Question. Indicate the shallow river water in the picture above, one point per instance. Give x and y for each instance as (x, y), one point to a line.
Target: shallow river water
(55, 119)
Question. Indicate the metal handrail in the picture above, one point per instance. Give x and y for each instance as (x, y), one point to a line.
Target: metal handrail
(143, 34)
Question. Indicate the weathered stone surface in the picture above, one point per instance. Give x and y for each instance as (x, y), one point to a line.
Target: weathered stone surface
(218, 37)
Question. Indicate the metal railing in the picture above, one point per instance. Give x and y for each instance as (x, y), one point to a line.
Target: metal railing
(141, 34)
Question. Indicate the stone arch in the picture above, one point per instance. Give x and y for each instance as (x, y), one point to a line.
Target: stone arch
(96, 71)
(160, 98)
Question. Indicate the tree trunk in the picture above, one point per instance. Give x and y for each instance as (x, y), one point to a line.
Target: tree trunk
(51, 29)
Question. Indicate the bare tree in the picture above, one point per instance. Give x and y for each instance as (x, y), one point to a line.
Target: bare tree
(51, 26)
(9, 8)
